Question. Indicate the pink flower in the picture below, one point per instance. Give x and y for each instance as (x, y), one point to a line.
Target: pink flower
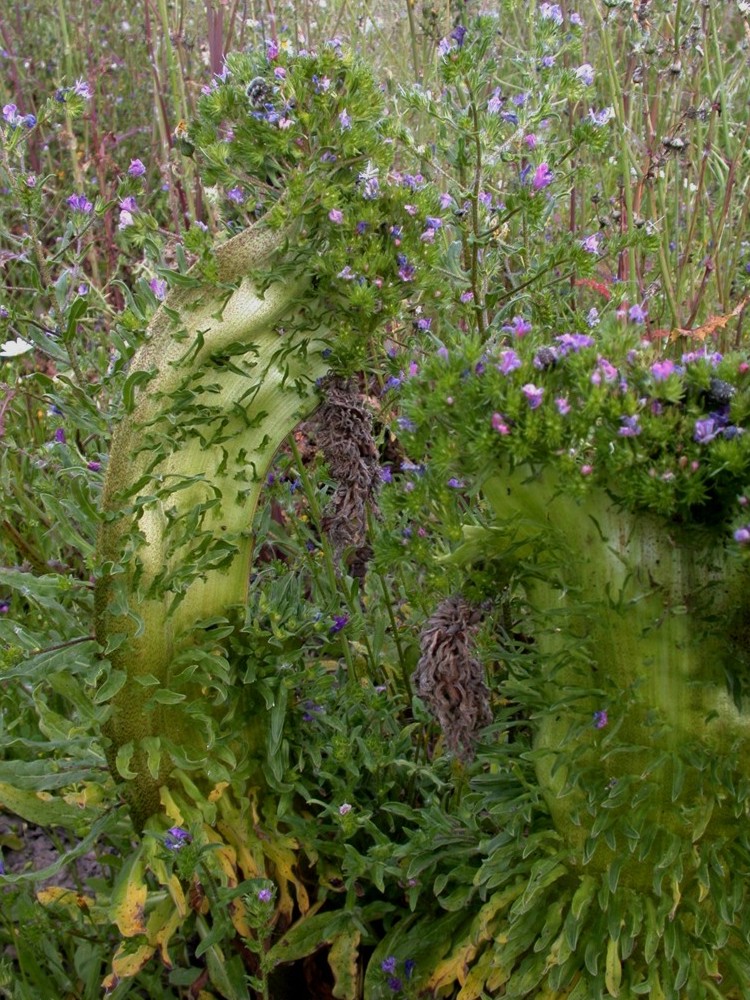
(542, 177)
(499, 424)
(336, 215)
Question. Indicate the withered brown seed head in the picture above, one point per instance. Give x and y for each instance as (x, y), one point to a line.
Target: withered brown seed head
(342, 428)
(449, 678)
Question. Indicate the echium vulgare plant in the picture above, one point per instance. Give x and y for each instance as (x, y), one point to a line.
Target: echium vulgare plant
(604, 478)
(331, 237)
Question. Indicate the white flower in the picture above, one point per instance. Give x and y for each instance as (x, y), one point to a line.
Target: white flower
(12, 348)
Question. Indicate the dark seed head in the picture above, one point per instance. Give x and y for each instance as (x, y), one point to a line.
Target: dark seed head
(258, 92)
(545, 357)
(720, 392)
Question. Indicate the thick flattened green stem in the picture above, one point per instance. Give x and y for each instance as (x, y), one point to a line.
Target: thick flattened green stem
(637, 625)
(216, 388)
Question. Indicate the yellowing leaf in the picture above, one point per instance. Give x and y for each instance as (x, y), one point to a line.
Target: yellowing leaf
(454, 968)
(613, 969)
(283, 860)
(126, 962)
(474, 985)
(129, 898)
(56, 895)
(238, 915)
(218, 791)
(162, 923)
(343, 958)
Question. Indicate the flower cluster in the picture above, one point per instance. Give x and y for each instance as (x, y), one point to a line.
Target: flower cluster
(302, 141)
(660, 433)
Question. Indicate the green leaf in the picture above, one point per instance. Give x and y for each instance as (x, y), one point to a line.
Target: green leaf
(40, 809)
(308, 935)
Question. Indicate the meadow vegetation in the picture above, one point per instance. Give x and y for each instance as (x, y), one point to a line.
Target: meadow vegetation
(374, 397)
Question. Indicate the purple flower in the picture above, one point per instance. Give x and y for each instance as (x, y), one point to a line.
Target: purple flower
(339, 622)
(706, 430)
(630, 426)
(272, 49)
(395, 984)
(458, 34)
(389, 964)
(94, 466)
(10, 113)
(662, 369)
(603, 117)
(336, 215)
(345, 121)
(509, 361)
(344, 808)
(346, 273)
(533, 394)
(518, 326)
(29, 121)
(591, 243)
(495, 102)
(637, 314)
(445, 200)
(406, 270)
(4, 609)
(551, 12)
(573, 342)
(548, 62)
(605, 369)
(159, 287)
(585, 74)
(576, 19)
(60, 435)
(424, 323)
(80, 203)
(742, 535)
(265, 895)
(563, 406)
(466, 296)
(592, 317)
(176, 838)
(386, 476)
(600, 719)
(542, 177)
(236, 195)
(129, 204)
(409, 966)
(136, 168)
(456, 484)
(82, 89)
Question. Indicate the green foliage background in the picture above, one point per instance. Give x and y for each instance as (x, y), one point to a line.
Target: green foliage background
(326, 783)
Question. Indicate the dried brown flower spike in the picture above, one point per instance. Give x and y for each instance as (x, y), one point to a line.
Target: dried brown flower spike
(449, 678)
(342, 428)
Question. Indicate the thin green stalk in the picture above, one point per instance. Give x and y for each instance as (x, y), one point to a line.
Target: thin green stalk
(625, 153)
(179, 94)
(333, 580)
(413, 40)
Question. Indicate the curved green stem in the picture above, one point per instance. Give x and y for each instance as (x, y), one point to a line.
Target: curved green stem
(225, 386)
